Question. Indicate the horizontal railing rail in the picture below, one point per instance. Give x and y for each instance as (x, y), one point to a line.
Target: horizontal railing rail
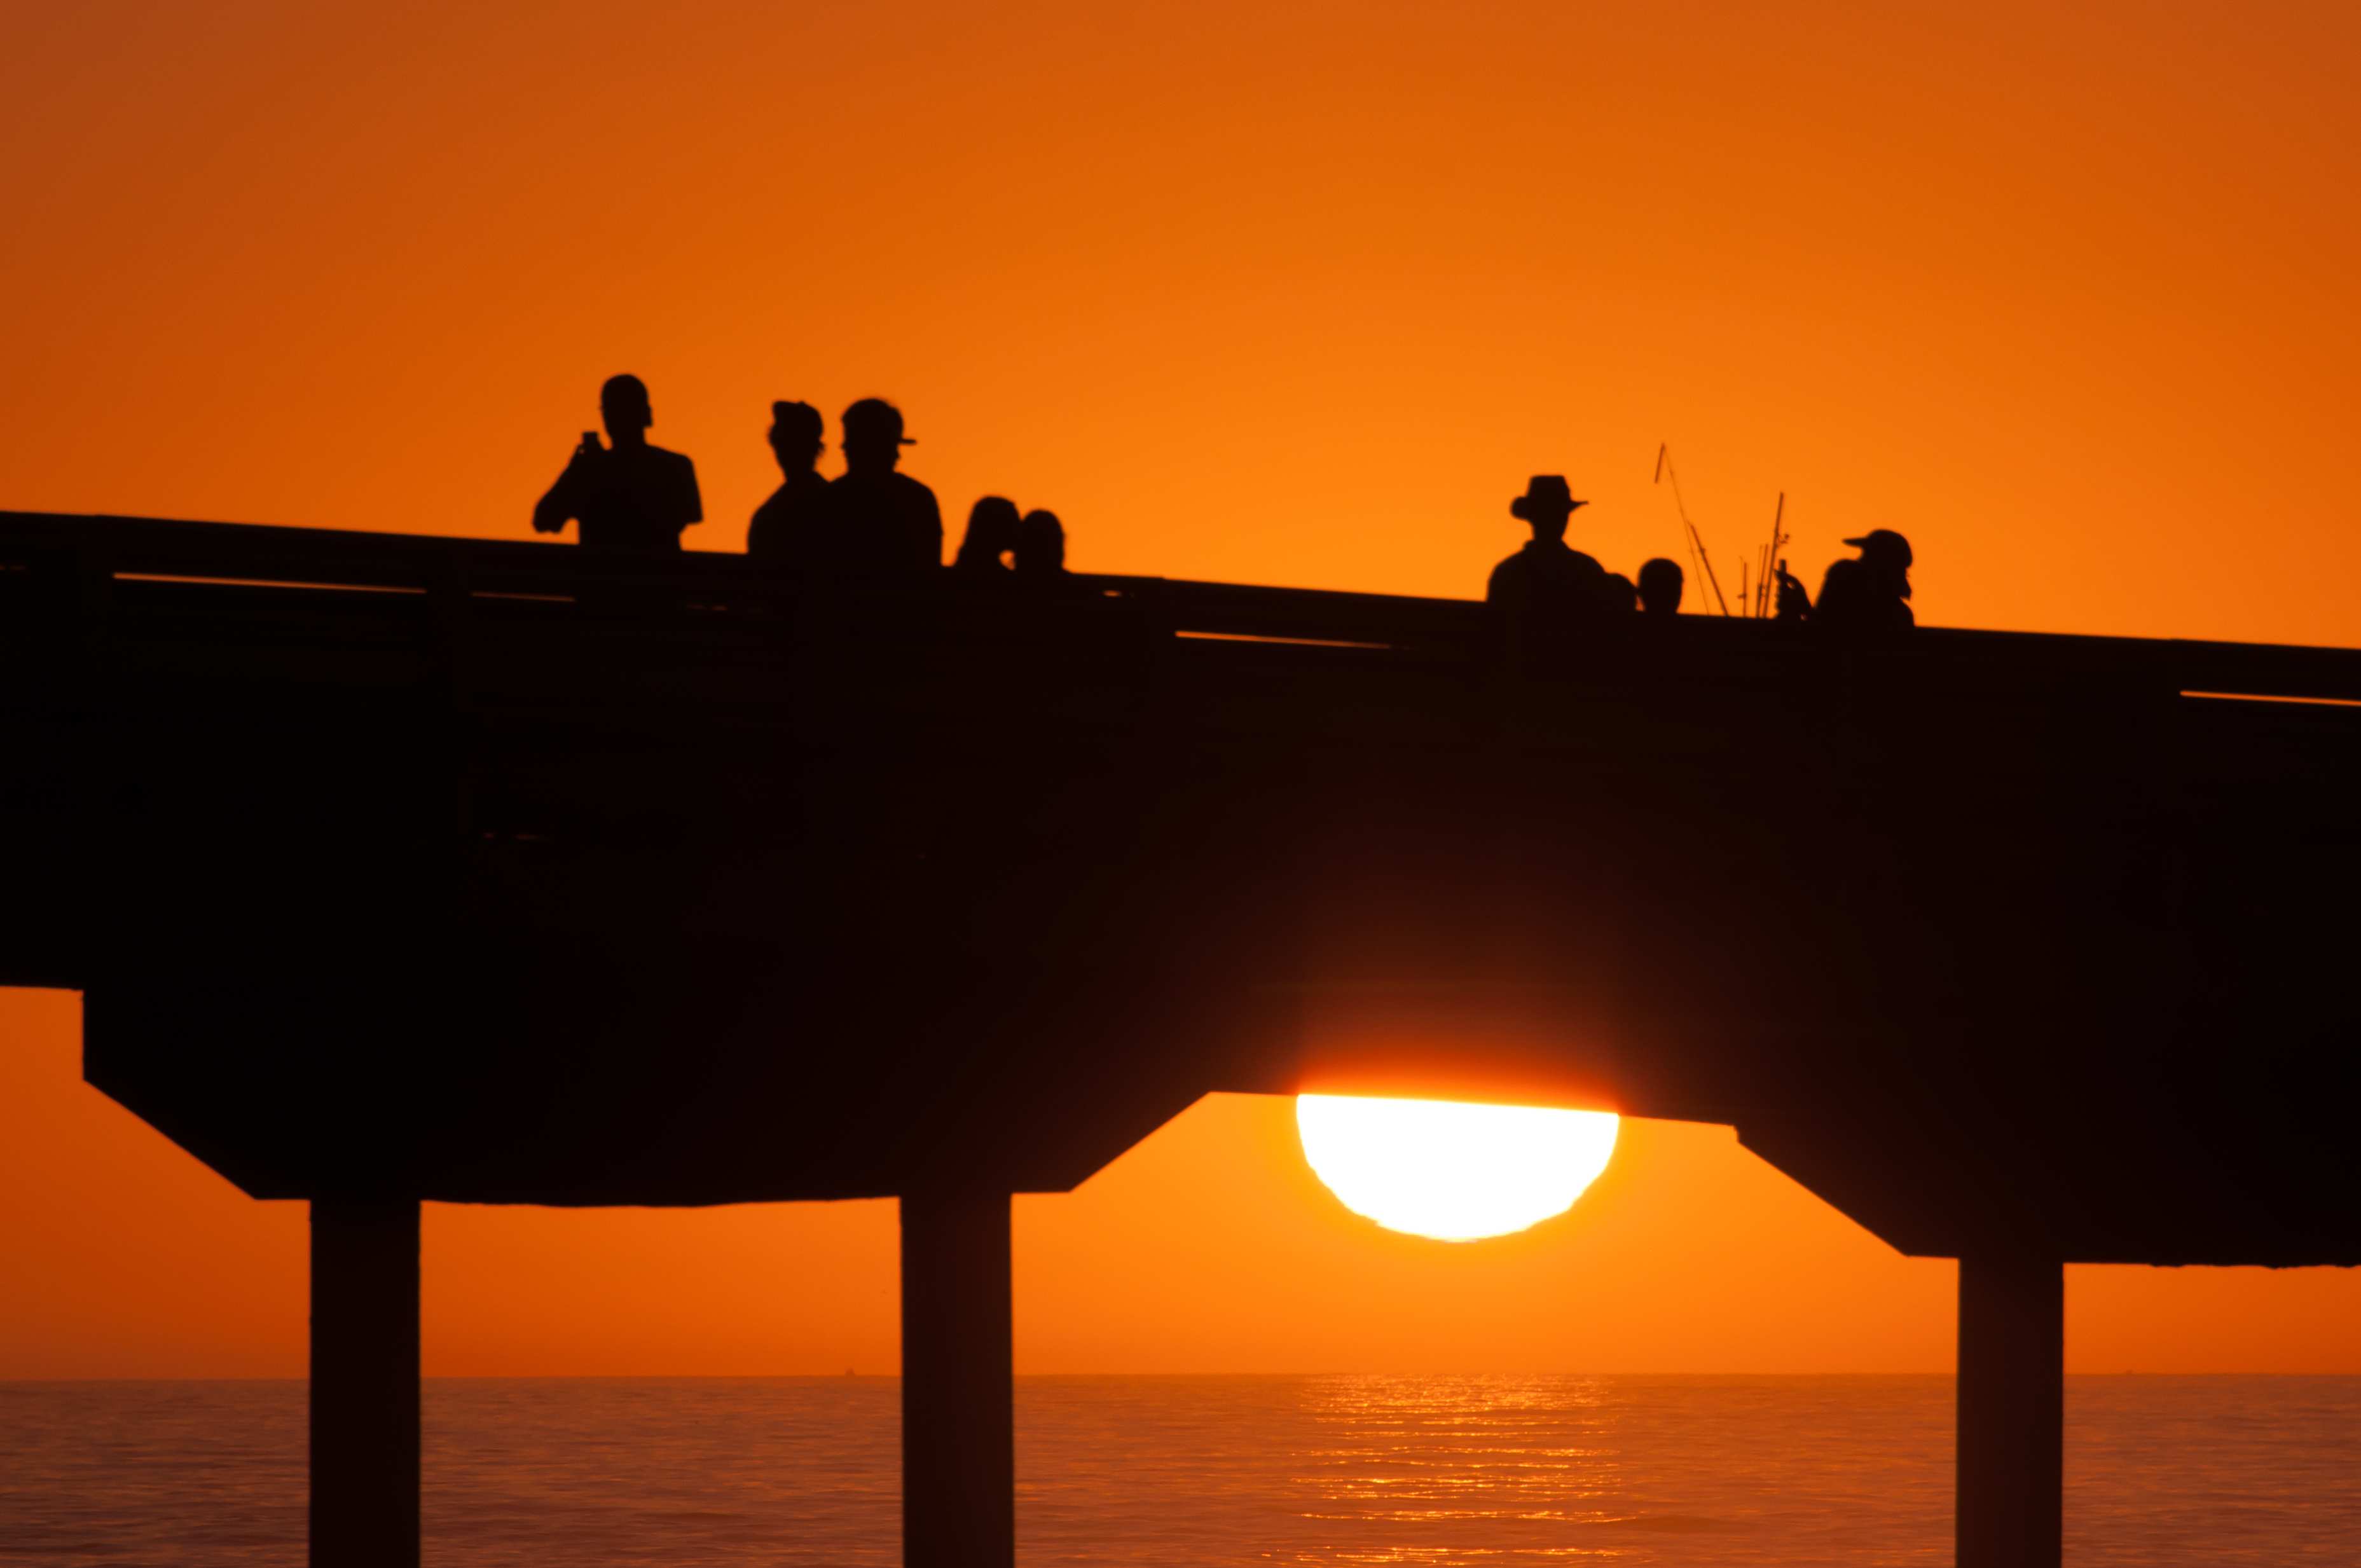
(86, 551)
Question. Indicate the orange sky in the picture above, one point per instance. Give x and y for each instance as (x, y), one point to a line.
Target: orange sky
(1278, 293)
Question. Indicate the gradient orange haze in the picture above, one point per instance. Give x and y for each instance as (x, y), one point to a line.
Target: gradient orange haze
(1290, 294)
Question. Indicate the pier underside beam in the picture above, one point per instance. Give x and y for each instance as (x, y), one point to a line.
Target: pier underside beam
(2012, 1398)
(959, 1446)
(363, 1384)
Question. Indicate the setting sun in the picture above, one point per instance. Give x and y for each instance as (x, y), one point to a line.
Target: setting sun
(1453, 1172)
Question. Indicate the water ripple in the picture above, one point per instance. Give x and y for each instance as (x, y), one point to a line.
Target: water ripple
(1293, 1471)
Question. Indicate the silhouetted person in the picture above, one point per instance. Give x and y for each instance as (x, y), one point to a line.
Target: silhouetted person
(1793, 602)
(1040, 549)
(1621, 596)
(880, 520)
(788, 526)
(991, 533)
(1871, 592)
(1659, 586)
(629, 495)
(1546, 589)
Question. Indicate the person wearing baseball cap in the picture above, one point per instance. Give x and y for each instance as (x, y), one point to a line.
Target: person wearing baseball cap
(1871, 592)
(880, 520)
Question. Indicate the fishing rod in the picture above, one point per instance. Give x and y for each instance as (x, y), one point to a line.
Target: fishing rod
(1772, 561)
(1688, 535)
(1697, 552)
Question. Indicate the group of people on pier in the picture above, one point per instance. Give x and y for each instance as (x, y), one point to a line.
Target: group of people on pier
(629, 494)
(1551, 585)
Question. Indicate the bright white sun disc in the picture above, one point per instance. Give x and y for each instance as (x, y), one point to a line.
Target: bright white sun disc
(1458, 1173)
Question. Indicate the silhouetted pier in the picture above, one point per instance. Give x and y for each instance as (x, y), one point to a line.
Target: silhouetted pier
(397, 869)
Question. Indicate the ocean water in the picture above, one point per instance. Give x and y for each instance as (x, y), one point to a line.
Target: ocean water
(1661, 1472)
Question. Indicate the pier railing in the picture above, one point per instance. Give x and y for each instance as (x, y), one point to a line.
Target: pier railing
(82, 566)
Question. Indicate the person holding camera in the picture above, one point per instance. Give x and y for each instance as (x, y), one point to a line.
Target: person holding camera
(629, 495)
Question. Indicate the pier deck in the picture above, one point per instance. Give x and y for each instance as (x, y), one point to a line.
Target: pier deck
(399, 869)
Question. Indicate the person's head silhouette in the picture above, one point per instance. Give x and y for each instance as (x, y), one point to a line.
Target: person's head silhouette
(797, 437)
(1659, 586)
(872, 437)
(990, 532)
(623, 405)
(1885, 561)
(1546, 505)
(1040, 544)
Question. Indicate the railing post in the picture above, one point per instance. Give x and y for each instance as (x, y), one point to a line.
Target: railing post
(959, 1447)
(2012, 1415)
(363, 1384)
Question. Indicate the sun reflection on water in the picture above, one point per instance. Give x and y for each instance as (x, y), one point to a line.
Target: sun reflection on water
(1519, 1456)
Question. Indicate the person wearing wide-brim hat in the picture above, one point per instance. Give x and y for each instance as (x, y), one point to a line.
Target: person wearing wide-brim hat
(1547, 584)
(1872, 591)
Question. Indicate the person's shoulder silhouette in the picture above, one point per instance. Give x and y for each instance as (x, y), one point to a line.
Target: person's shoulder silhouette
(627, 494)
(1546, 576)
(1040, 551)
(788, 526)
(879, 519)
(1661, 582)
(1869, 592)
(991, 533)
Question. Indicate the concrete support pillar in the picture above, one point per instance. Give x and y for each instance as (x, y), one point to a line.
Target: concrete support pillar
(959, 1441)
(363, 1384)
(2012, 1412)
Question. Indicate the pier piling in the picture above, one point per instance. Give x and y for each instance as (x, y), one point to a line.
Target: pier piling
(958, 1448)
(2012, 1396)
(363, 1384)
